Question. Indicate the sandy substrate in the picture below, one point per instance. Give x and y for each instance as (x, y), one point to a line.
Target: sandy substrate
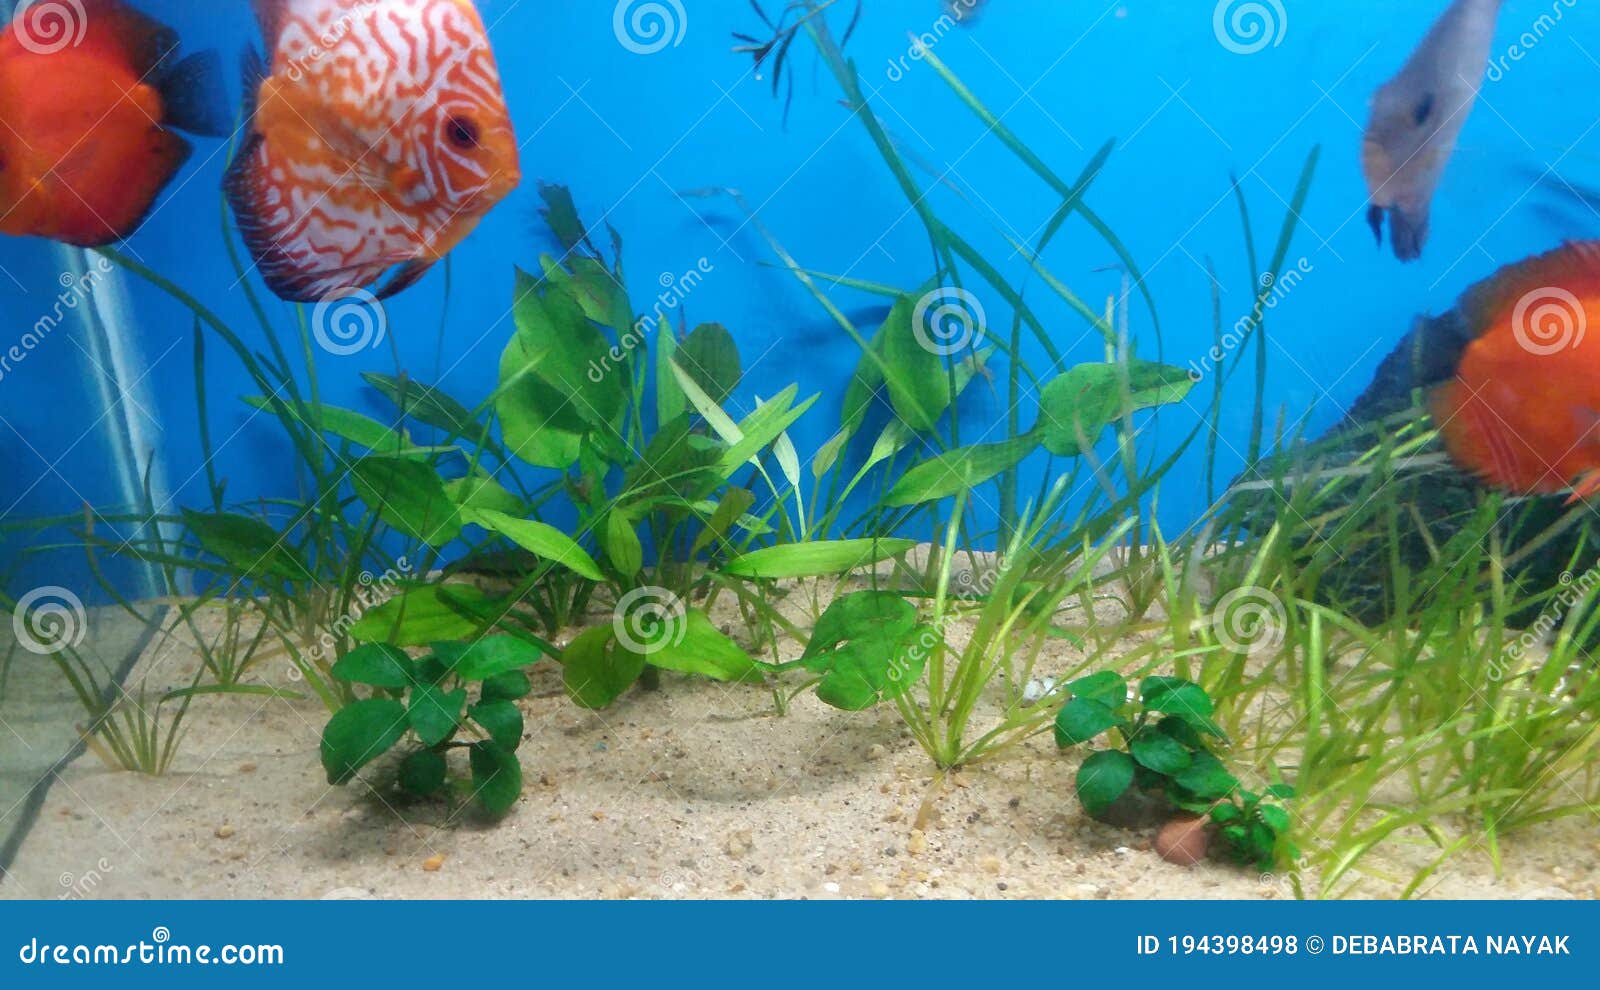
(695, 790)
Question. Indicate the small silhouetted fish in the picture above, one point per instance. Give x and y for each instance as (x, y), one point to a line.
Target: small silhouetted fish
(965, 12)
(1417, 118)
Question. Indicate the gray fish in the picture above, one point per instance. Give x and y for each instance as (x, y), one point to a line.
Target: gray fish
(1417, 118)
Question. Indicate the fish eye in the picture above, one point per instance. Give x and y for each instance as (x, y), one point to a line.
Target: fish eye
(463, 132)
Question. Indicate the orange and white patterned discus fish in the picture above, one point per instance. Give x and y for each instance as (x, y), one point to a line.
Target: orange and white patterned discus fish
(378, 138)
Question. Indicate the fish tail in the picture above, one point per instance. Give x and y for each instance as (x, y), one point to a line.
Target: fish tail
(196, 97)
(1408, 232)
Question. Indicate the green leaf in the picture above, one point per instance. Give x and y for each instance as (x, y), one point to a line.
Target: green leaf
(509, 686)
(561, 216)
(501, 719)
(1281, 791)
(1180, 699)
(538, 538)
(563, 350)
(858, 615)
(359, 733)
(248, 545)
(409, 496)
(692, 644)
(871, 669)
(623, 549)
(491, 656)
(919, 389)
(1082, 719)
(1222, 814)
(377, 664)
(710, 356)
(602, 297)
(1160, 752)
(958, 471)
(539, 427)
(735, 502)
(434, 714)
(480, 491)
(671, 403)
(496, 777)
(363, 431)
(820, 559)
(421, 615)
(1275, 818)
(1105, 776)
(1106, 687)
(422, 773)
(1206, 778)
(596, 669)
(1090, 397)
(430, 406)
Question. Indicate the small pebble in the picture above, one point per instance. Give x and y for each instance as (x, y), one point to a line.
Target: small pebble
(831, 887)
(918, 843)
(224, 832)
(1184, 841)
(433, 863)
(989, 864)
(247, 768)
(878, 889)
(739, 844)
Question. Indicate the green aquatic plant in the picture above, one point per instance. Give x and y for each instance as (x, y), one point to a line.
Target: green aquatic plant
(1160, 741)
(431, 702)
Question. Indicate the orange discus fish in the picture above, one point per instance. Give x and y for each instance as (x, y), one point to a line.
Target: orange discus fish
(90, 94)
(1523, 412)
(378, 138)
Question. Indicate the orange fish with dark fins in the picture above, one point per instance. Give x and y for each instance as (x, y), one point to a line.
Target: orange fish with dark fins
(378, 138)
(91, 94)
(1523, 412)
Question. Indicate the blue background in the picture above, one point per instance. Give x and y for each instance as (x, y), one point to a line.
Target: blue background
(630, 132)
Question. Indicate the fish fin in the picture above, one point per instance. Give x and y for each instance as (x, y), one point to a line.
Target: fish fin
(268, 15)
(1588, 486)
(1574, 267)
(1481, 444)
(195, 98)
(1408, 232)
(1375, 217)
(405, 277)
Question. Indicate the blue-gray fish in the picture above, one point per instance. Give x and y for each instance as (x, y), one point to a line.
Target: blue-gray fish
(1417, 118)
